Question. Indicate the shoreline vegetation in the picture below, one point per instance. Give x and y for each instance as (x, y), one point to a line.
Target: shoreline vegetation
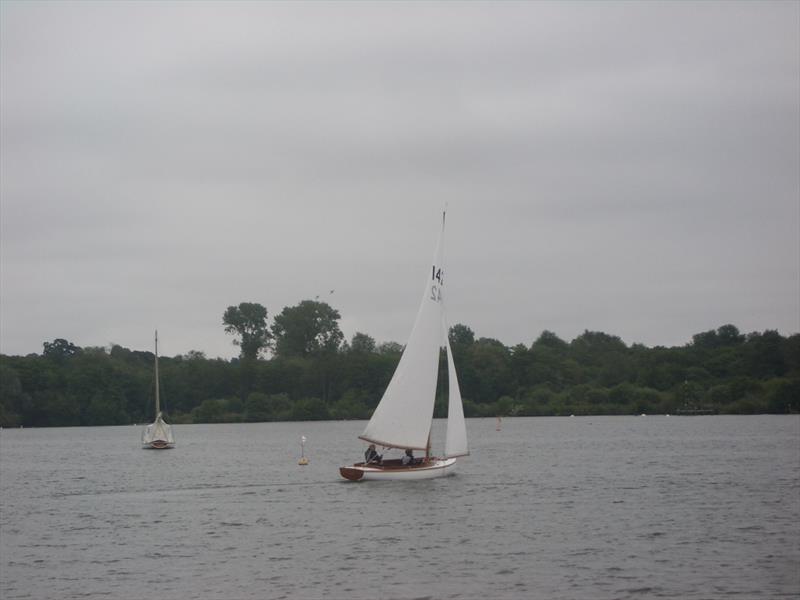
(301, 368)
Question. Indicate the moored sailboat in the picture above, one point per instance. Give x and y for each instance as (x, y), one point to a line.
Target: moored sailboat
(404, 415)
(158, 435)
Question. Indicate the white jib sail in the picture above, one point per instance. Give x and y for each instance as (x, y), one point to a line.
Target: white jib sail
(456, 440)
(403, 417)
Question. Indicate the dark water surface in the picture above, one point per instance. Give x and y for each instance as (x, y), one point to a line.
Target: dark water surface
(593, 507)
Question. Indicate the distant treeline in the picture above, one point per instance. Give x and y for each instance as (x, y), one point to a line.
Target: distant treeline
(313, 374)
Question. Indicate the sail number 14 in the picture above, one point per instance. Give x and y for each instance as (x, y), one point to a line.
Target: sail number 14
(436, 290)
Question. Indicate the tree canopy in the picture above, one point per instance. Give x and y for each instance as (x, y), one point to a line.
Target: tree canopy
(362, 343)
(307, 329)
(249, 322)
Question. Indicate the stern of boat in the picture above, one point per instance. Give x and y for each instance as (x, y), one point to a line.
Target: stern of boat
(158, 445)
(351, 473)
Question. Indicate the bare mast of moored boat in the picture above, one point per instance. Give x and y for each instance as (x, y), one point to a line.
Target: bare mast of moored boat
(158, 401)
(158, 434)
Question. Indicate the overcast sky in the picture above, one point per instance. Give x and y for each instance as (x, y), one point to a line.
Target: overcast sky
(632, 168)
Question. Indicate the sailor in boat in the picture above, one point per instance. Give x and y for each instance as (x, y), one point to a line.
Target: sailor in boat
(371, 456)
(408, 458)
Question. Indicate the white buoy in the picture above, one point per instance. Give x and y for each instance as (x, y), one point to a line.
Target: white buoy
(303, 460)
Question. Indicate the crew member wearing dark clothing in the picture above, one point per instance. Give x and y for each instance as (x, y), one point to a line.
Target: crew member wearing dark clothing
(371, 456)
(408, 458)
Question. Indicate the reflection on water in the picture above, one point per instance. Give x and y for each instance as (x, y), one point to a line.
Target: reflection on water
(593, 507)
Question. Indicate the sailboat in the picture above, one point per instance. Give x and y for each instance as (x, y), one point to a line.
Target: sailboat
(158, 435)
(404, 415)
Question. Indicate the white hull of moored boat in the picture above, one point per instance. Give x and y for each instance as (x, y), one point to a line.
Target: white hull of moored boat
(438, 467)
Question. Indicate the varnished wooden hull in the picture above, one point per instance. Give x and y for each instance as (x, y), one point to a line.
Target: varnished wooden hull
(158, 445)
(394, 471)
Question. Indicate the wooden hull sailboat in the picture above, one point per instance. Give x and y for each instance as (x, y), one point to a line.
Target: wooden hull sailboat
(428, 469)
(404, 415)
(158, 435)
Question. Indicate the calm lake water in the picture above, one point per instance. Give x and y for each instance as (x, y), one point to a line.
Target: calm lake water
(592, 507)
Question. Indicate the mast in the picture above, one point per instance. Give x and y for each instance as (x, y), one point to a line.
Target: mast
(158, 404)
(428, 448)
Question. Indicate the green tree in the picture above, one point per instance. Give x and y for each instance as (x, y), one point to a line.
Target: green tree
(249, 322)
(550, 362)
(211, 410)
(257, 408)
(307, 329)
(488, 373)
(11, 397)
(791, 353)
(548, 339)
(505, 406)
(706, 340)
(280, 407)
(764, 355)
(782, 395)
(728, 335)
(362, 343)
(105, 407)
(60, 350)
(63, 410)
(461, 336)
(310, 409)
(390, 348)
(350, 405)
